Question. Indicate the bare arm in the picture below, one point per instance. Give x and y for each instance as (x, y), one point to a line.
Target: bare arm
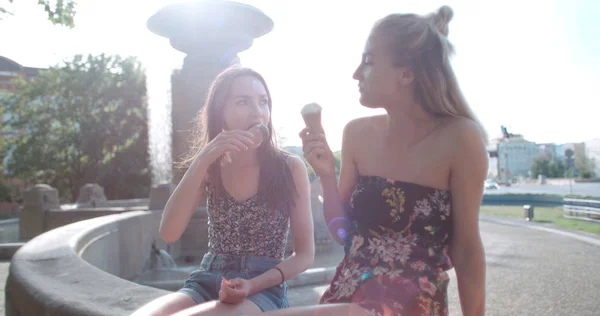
(468, 172)
(183, 202)
(301, 224)
(336, 197)
(189, 192)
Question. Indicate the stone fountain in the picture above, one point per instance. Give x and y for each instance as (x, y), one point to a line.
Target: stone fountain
(211, 33)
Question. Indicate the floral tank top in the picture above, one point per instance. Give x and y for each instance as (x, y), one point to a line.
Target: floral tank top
(245, 228)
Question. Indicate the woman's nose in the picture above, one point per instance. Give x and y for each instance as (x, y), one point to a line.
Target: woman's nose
(357, 72)
(255, 107)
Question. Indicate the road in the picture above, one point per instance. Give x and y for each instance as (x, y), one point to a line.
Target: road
(529, 272)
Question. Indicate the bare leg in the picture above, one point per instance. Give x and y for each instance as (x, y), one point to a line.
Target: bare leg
(321, 310)
(166, 305)
(246, 307)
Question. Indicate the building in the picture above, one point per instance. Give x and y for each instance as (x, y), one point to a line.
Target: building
(492, 150)
(512, 155)
(515, 157)
(579, 154)
(10, 70)
(548, 150)
(592, 151)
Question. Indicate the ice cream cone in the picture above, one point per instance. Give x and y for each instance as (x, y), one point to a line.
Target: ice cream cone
(311, 113)
(260, 132)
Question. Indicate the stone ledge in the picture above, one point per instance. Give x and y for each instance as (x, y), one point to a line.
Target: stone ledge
(47, 277)
(314, 276)
(8, 250)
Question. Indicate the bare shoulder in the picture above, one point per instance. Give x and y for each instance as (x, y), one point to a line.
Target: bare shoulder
(295, 163)
(466, 141)
(464, 132)
(363, 124)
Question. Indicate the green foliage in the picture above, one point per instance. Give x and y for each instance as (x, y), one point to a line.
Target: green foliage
(311, 172)
(549, 167)
(82, 122)
(7, 191)
(60, 12)
(587, 168)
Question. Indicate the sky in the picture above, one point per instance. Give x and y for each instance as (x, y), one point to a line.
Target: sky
(532, 66)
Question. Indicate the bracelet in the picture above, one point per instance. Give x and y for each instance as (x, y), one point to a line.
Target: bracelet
(282, 276)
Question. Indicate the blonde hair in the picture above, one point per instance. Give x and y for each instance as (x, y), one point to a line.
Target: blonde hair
(421, 44)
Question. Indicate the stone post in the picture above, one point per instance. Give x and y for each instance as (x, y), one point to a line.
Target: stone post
(36, 202)
(91, 195)
(159, 195)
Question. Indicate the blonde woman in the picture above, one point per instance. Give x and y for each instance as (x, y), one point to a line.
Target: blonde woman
(407, 202)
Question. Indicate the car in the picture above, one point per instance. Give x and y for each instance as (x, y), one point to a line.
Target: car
(490, 185)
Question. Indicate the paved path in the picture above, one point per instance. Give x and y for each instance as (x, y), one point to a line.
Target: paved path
(529, 272)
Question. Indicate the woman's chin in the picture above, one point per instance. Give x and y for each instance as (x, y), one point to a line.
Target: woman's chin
(365, 102)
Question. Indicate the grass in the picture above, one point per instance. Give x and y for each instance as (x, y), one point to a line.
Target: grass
(542, 215)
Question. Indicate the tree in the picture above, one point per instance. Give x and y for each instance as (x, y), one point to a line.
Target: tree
(550, 167)
(587, 168)
(539, 167)
(82, 122)
(7, 191)
(60, 12)
(569, 158)
(311, 173)
(556, 168)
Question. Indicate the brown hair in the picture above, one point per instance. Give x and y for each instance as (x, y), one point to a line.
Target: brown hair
(276, 184)
(421, 44)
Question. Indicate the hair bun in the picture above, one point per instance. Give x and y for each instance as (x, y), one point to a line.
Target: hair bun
(441, 18)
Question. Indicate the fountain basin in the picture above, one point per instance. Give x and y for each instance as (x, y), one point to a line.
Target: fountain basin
(101, 266)
(84, 268)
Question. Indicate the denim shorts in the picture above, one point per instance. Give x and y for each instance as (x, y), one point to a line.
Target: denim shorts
(204, 284)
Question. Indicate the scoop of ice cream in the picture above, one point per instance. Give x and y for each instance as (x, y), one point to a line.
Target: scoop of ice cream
(260, 132)
(310, 108)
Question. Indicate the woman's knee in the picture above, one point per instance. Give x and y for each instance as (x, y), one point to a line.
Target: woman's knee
(166, 305)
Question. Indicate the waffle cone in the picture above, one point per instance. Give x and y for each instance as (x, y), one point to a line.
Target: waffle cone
(313, 120)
